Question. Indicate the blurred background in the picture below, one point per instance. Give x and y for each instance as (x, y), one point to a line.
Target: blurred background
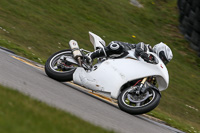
(189, 11)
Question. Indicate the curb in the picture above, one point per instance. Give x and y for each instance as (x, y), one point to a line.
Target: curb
(8, 50)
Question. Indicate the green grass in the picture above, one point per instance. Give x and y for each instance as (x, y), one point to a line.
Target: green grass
(36, 29)
(22, 114)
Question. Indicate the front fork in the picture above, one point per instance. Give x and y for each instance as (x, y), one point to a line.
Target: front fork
(139, 89)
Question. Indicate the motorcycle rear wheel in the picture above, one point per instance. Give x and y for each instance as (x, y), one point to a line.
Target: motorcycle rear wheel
(52, 70)
(141, 104)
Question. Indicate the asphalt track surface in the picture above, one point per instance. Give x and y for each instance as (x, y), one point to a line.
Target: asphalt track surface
(34, 82)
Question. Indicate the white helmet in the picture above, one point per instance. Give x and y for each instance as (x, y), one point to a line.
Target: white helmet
(163, 51)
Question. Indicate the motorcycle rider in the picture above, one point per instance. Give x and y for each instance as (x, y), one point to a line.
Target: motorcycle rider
(117, 49)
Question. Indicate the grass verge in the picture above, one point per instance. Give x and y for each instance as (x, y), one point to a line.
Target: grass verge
(22, 114)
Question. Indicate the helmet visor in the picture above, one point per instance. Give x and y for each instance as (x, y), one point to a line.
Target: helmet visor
(163, 57)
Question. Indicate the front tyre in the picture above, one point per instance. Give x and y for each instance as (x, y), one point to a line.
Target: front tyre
(138, 104)
(59, 69)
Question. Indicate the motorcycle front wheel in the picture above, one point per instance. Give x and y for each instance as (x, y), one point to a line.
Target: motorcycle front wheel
(53, 69)
(138, 104)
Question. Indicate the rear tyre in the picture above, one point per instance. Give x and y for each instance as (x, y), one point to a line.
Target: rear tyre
(133, 104)
(54, 72)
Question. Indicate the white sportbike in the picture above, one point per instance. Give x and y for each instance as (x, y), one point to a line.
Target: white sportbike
(134, 83)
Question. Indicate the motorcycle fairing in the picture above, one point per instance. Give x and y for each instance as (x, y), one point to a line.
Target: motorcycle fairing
(112, 74)
(96, 41)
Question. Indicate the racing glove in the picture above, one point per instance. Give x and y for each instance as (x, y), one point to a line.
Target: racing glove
(146, 57)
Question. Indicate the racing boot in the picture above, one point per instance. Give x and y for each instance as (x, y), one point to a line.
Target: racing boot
(96, 54)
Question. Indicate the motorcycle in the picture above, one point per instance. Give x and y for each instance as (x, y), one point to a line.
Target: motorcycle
(134, 83)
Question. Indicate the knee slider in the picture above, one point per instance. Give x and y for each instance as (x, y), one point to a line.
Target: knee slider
(114, 46)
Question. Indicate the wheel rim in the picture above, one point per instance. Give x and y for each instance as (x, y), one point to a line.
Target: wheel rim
(134, 101)
(54, 62)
